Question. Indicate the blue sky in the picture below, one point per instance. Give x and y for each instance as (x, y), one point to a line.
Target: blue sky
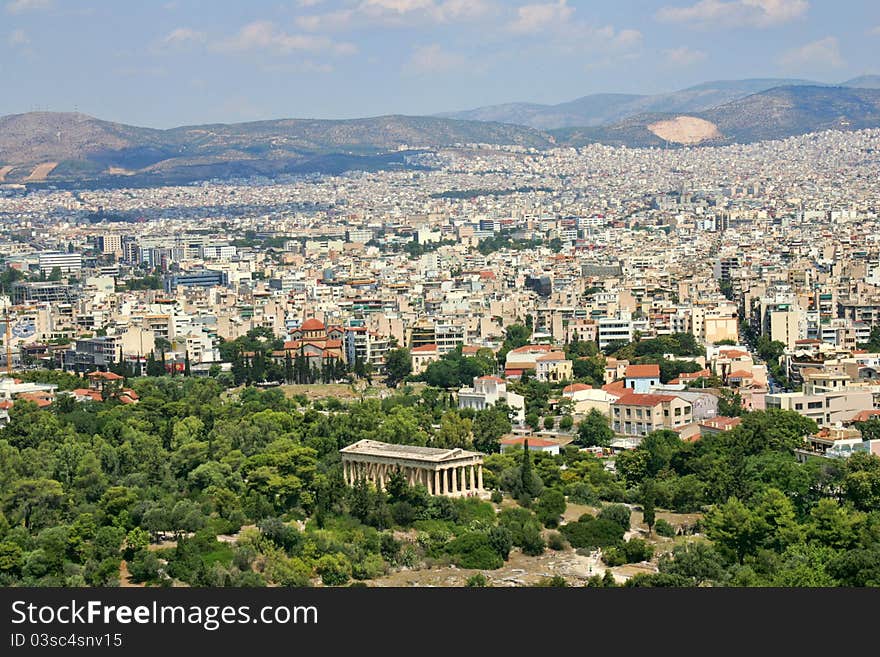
(176, 62)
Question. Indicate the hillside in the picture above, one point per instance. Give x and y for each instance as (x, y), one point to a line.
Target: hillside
(607, 109)
(774, 114)
(61, 146)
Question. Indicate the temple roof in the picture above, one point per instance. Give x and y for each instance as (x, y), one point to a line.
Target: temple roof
(389, 450)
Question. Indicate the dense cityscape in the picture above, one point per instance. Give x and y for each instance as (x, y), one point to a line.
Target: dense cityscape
(490, 366)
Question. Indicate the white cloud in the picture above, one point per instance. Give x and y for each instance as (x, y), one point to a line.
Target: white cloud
(568, 35)
(395, 13)
(183, 36)
(433, 59)
(18, 38)
(20, 6)
(683, 56)
(265, 35)
(821, 54)
(736, 13)
(539, 18)
(308, 3)
(875, 31)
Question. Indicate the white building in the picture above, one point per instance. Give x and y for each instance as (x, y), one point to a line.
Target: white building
(487, 391)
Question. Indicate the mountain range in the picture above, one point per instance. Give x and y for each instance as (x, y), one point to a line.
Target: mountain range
(68, 148)
(607, 109)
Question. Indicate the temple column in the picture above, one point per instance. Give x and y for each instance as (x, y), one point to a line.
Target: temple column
(480, 477)
(464, 479)
(474, 477)
(381, 476)
(436, 490)
(454, 473)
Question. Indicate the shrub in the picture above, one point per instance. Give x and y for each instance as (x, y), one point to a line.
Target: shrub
(612, 557)
(404, 513)
(582, 493)
(550, 506)
(474, 550)
(501, 541)
(549, 422)
(144, 566)
(617, 513)
(371, 567)
(283, 535)
(590, 532)
(555, 541)
(556, 581)
(477, 581)
(663, 528)
(566, 423)
(497, 496)
(658, 580)
(532, 543)
(334, 569)
(635, 550)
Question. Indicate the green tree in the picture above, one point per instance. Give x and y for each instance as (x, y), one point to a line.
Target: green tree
(698, 561)
(649, 495)
(735, 528)
(398, 366)
(594, 430)
(550, 506)
(454, 431)
(488, 426)
(861, 482)
(530, 483)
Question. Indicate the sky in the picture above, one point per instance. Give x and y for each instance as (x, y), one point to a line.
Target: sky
(184, 62)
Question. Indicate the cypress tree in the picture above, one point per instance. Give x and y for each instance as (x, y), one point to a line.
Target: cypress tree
(526, 470)
(648, 511)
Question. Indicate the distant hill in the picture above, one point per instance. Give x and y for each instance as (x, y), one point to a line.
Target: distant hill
(773, 114)
(75, 149)
(864, 82)
(56, 146)
(606, 109)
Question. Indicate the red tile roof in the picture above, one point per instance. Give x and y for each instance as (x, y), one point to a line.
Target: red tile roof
(533, 442)
(637, 399)
(552, 356)
(532, 348)
(312, 324)
(722, 423)
(107, 376)
(740, 374)
(643, 371)
(864, 416)
(423, 348)
(576, 387)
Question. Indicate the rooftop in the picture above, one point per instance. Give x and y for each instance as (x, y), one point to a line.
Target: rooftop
(642, 371)
(389, 450)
